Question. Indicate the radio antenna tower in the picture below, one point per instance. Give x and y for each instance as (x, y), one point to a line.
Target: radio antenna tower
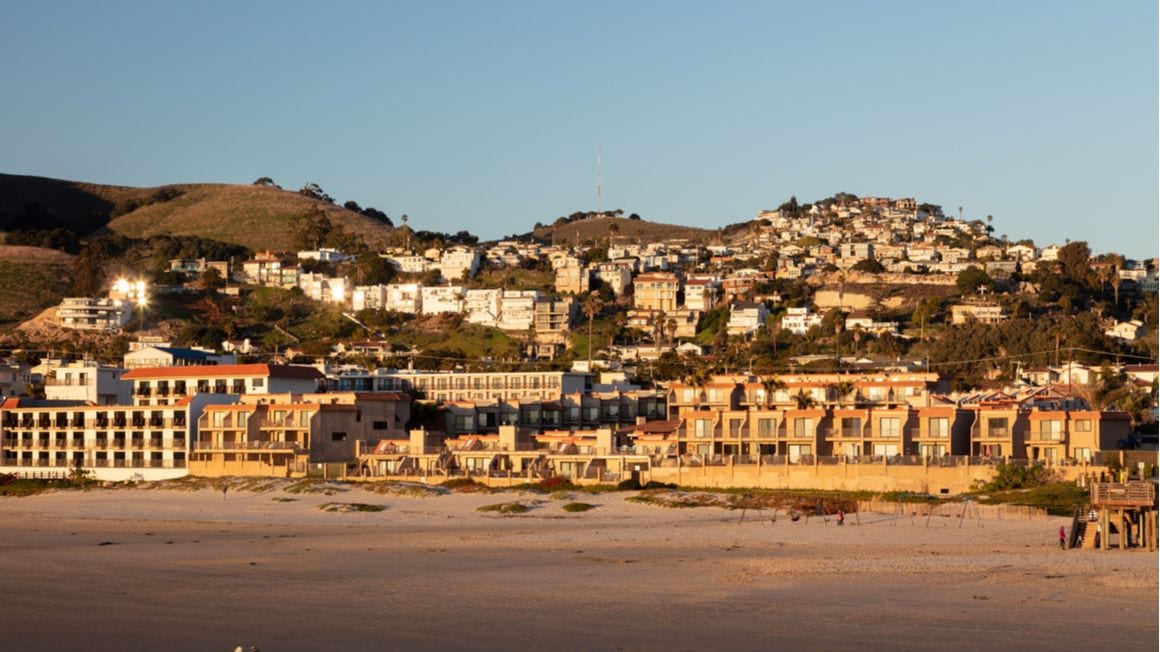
(599, 208)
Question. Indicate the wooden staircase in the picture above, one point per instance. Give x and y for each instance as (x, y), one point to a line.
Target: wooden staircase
(1087, 535)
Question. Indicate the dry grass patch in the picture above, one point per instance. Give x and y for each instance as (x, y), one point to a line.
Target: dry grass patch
(505, 509)
(408, 489)
(350, 508)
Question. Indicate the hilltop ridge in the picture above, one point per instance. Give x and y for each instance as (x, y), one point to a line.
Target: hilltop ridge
(254, 216)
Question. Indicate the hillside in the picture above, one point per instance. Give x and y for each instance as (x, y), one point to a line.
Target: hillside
(257, 217)
(34, 279)
(601, 227)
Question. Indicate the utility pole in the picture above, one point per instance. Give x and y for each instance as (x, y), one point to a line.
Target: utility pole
(599, 199)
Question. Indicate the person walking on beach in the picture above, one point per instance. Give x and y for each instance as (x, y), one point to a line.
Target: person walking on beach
(841, 517)
(225, 489)
(1062, 539)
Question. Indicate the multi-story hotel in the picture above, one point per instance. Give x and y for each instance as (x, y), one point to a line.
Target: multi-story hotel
(111, 442)
(168, 385)
(446, 386)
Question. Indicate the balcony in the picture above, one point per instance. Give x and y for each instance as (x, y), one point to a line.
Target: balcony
(841, 433)
(248, 446)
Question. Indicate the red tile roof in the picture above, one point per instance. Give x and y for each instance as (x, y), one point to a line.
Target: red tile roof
(230, 370)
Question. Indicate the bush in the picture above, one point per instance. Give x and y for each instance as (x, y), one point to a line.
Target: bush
(462, 484)
(1015, 476)
(505, 509)
(578, 507)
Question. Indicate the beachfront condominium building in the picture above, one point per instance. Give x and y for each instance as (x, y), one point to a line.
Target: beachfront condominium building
(281, 434)
(569, 412)
(110, 442)
(446, 386)
(168, 385)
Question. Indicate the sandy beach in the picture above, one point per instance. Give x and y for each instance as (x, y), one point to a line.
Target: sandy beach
(146, 569)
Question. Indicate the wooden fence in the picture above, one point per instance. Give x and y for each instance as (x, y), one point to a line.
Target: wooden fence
(955, 510)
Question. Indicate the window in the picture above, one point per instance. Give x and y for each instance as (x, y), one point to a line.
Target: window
(889, 427)
(735, 427)
(851, 427)
(338, 436)
(938, 426)
(379, 425)
(997, 427)
(766, 428)
(1083, 425)
(702, 428)
(803, 427)
(1050, 429)
(258, 382)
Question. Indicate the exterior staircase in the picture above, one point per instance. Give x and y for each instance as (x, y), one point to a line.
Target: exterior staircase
(1087, 535)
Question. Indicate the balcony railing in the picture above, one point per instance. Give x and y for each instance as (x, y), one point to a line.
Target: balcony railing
(247, 445)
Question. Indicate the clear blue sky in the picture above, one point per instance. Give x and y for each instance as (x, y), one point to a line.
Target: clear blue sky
(486, 116)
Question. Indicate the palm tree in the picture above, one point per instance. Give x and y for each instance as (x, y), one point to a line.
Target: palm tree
(593, 304)
(804, 401)
(1117, 264)
(842, 389)
(857, 333)
(769, 385)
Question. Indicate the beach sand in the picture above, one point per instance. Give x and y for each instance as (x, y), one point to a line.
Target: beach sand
(141, 569)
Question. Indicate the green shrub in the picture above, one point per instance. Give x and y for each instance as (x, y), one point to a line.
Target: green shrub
(350, 507)
(464, 485)
(505, 509)
(578, 507)
(1015, 476)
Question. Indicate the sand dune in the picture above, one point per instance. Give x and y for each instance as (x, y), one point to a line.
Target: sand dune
(148, 569)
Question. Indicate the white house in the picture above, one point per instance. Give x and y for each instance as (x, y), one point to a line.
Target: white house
(1127, 330)
(517, 309)
(87, 381)
(700, 294)
(85, 314)
(368, 297)
(746, 317)
(457, 261)
(325, 255)
(442, 299)
(482, 306)
(867, 324)
(405, 298)
(323, 288)
(1022, 252)
(617, 276)
(800, 320)
(410, 264)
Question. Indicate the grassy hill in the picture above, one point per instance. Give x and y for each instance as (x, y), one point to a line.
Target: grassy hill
(257, 217)
(253, 216)
(34, 279)
(599, 228)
